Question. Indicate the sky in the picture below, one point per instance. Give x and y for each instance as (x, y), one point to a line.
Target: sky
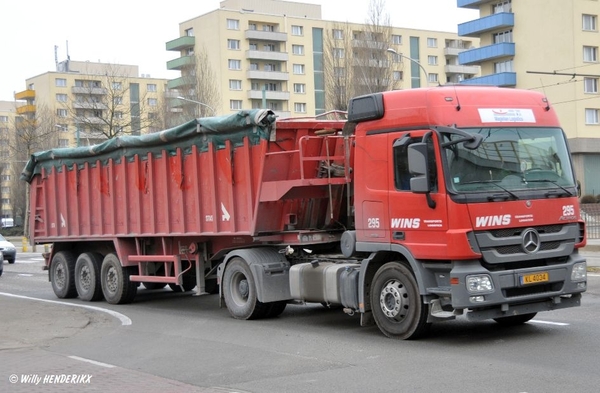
(134, 32)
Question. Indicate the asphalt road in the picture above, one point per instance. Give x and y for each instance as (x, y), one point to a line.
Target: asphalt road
(171, 342)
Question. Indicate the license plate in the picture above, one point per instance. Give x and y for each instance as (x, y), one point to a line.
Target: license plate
(534, 278)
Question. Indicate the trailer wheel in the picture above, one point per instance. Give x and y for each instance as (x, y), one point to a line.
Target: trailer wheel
(62, 273)
(189, 283)
(515, 320)
(116, 286)
(239, 290)
(87, 276)
(397, 306)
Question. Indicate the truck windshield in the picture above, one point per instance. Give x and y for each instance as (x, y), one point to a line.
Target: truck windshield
(510, 159)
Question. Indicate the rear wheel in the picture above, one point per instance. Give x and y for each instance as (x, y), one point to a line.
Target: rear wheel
(87, 276)
(62, 275)
(397, 306)
(116, 286)
(515, 320)
(276, 308)
(239, 290)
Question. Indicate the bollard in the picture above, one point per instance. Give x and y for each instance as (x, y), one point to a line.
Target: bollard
(24, 242)
(46, 248)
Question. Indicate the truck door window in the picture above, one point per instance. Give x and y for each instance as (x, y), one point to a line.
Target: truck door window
(401, 174)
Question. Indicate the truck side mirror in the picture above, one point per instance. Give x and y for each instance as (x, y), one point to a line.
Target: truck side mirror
(418, 165)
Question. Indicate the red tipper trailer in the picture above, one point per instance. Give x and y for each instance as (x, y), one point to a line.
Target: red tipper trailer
(424, 205)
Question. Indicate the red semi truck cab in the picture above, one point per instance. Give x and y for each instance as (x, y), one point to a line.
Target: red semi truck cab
(474, 189)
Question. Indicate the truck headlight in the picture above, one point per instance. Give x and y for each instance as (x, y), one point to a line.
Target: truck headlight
(479, 283)
(579, 272)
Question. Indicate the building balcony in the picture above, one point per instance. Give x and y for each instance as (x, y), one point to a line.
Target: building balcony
(89, 120)
(179, 82)
(265, 35)
(267, 55)
(23, 109)
(453, 51)
(474, 28)
(502, 79)
(181, 62)
(268, 75)
(25, 95)
(490, 52)
(269, 95)
(88, 90)
(181, 43)
(473, 4)
(89, 105)
(461, 69)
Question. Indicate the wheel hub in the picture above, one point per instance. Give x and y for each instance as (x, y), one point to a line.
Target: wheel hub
(59, 276)
(243, 289)
(394, 300)
(84, 277)
(111, 280)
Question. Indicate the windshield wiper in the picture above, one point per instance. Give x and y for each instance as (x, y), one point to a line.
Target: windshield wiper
(552, 193)
(494, 182)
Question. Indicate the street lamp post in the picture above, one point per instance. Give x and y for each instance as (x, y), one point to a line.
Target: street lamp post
(76, 133)
(413, 60)
(199, 103)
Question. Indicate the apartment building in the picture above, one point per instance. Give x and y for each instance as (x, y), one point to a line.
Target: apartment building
(274, 54)
(550, 46)
(8, 114)
(90, 102)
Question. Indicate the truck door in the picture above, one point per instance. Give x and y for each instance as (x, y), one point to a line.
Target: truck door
(413, 222)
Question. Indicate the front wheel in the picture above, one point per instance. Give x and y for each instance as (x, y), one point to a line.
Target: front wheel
(116, 286)
(397, 306)
(239, 290)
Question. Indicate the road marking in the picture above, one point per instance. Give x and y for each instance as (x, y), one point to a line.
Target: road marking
(125, 320)
(92, 361)
(549, 323)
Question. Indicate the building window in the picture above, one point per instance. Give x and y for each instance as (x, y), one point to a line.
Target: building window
(63, 143)
(590, 54)
(504, 66)
(3, 119)
(339, 72)
(235, 84)
(299, 88)
(235, 64)
(152, 101)
(501, 6)
(432, 42)
(61, 112)
(300, 107)
(119, 100)
(432, 60)
(61, 97)
(297, 30)
(233, 44)
(63, 127)
(251, 26)
(117, 85)
(269, 47)
(5, 177)
(189, 32)
(591, 116)
(270, 67)
(396, 39)
(338, 34)
(589, 22)
(270, 28)
(433, 78)
(61, 82)
(299, 69)
(235, 104)
(233, 24)
(253, 46)
(152, 115)
(590, 85)
(505, 36)
(397, 75)
(151, 87)
(298, 49)
(338, 53)
(253, 66)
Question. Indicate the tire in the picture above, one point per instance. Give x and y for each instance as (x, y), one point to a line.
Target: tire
(10, 261)
(515, 320)
(189, 283)
(154, 285)
(397, 307)
(116, 286)
(211, 286)
(87, 276)
(239, 290)
(275, 309)
(62, 275)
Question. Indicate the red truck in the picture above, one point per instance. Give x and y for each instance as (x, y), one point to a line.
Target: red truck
(423, 205)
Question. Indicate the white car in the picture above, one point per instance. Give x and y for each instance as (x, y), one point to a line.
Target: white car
(8, 250)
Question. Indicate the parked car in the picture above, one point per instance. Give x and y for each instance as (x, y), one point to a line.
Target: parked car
(1, 263)
(8, 250)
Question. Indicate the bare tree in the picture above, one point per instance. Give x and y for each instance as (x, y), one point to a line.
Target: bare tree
(107, 106)
(357, 60)
(200, 84)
